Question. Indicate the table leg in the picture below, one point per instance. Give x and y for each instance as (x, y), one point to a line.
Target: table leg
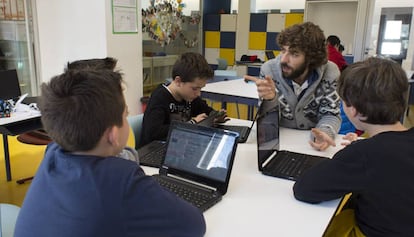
(7, 157)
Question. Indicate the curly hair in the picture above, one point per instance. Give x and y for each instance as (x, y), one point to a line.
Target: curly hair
(307, 38)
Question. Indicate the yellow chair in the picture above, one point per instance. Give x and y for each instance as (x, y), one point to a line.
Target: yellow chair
(135, 122)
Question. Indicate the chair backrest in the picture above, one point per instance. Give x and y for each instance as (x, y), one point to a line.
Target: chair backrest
(8, 217)
(135, 121)
(222, 64)
(225, 73)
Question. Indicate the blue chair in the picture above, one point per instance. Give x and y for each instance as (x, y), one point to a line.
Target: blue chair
(222, 64)
(135, 121)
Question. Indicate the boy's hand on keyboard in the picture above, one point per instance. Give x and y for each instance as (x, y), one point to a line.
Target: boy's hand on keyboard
(200, 117)
(221, 117)
(321, 140)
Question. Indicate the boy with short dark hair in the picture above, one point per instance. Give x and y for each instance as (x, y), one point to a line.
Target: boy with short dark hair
(180, 100)
(81, 188)
(378, 171)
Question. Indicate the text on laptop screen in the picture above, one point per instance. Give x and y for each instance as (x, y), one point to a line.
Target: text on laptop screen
(200, 152)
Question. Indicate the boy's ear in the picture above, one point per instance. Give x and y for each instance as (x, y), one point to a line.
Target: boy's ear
(355, 113)
(177, 80)
(113, 134)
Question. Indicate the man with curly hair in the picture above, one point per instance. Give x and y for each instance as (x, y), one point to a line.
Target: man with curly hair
(301, 82)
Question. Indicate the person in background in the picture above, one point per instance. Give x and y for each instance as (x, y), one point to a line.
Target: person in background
(379, 170)
(302, 82)
(81, 188)
(179, 100)
(334, 55)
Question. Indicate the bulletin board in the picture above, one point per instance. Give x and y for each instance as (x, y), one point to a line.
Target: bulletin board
(124, 17)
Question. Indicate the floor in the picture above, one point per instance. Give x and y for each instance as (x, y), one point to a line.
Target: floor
(26, 158)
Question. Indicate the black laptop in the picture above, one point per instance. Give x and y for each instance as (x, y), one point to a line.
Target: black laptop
(9, 85)
(270, 54)
(275, 162)
(152, 153)
(198, 163)
(243, 131)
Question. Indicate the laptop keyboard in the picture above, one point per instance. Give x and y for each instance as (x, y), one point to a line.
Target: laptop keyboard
(154, 158)
(291, 164)
(197, 198)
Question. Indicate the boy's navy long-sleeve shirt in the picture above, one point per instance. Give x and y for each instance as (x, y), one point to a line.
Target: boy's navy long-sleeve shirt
(75, 195)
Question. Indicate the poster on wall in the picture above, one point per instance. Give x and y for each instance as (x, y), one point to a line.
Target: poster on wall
(124, 17)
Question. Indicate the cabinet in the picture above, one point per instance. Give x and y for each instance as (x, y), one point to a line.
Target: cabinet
(157, 70)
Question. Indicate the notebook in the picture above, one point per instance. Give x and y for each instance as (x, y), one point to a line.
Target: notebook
(152, 153)
(243, 131)
(275, 162)
(198, 163)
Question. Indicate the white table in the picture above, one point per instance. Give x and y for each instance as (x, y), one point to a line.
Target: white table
(232, 91)
(259, 205)
(18, 123)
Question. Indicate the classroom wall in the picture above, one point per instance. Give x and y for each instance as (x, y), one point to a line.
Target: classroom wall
(69, 30)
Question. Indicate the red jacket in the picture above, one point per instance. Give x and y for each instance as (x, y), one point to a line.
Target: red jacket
(335, 56)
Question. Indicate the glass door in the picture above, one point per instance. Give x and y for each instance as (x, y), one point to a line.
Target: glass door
(16, 42)
(391, 33)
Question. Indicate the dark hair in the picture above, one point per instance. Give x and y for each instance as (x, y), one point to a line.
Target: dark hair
(377, 88)
(333, 40)
(79, 105)
(341, 48)
(307, 38)
(94, 63)
(190, 65)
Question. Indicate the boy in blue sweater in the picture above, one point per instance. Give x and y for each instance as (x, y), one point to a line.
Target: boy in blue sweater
(82, 188)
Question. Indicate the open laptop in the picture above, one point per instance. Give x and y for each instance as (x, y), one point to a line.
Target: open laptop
(152, 153)
(198, 163)
(270, 54)
(9, 85)
(243, 131)
(10, 88)
(275, 162)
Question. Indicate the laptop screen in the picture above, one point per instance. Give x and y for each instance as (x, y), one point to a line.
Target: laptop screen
(9, 84)
(267, 134)
(201, 151)
(270, 55)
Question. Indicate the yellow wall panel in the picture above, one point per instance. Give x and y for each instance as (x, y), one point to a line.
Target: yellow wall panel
(293, 18)
(229, 55)
(212, 39)
(257, 40)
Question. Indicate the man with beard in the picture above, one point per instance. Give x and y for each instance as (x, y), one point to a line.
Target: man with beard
(302, 83)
